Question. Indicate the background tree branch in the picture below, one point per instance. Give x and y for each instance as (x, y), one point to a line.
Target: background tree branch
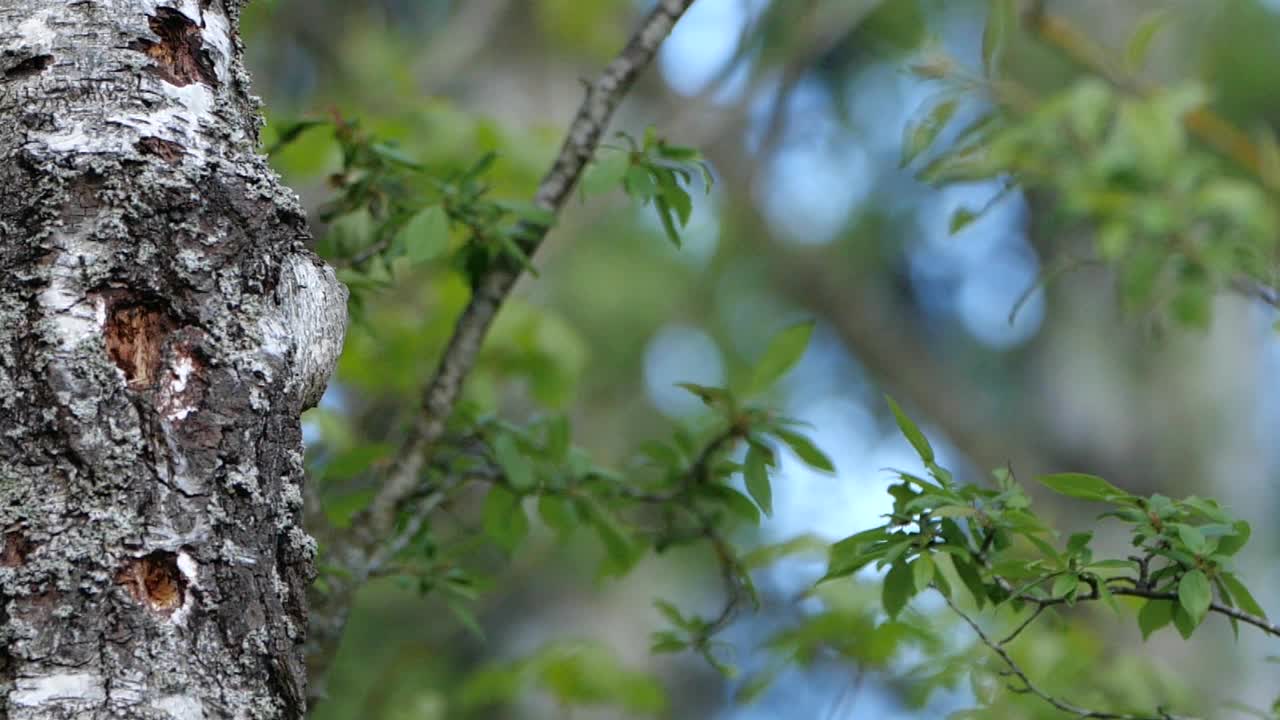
(371, 529)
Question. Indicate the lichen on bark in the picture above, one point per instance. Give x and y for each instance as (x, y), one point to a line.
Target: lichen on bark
(162, 326)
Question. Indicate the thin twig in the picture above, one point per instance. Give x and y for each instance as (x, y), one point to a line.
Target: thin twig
(1029, 687)
(1023, 625)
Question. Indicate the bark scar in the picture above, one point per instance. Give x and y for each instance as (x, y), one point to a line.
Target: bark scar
(135, 335)
(155, 580)
(180, 56)
(31, 66)
(167, 150)
(16, 549)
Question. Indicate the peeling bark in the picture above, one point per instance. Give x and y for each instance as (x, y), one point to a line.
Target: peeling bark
(162, 326)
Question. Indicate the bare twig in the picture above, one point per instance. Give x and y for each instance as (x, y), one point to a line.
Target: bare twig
(1023, 625)
(1028, 687)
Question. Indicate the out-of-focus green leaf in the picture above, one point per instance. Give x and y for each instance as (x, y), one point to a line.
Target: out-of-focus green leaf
(784, 351)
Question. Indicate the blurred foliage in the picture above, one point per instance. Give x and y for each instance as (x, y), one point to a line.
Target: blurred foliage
(1143, 145)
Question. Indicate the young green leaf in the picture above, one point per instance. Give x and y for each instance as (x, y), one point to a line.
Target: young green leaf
(515, 466)
(920, 135)
(1244, 599)
(912, 433)
(899, 587)
(1195, 595)
(1001, 21)
(425, 236)
(1183, 622)
(504, 519)
(1154, 615)
(1135, 54)
(1082, 486)
(784, 351)
(639, 182)
(922, 571)
(1192, 538)
(557, 513)
(804, 448)
(961, 219)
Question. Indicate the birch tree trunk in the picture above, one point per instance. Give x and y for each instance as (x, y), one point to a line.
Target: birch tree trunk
(162, 326)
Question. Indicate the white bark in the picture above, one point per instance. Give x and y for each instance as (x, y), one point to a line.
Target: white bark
(162, 325)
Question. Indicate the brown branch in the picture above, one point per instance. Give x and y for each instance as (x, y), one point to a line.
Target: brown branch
(1260, 623)
(375, 526)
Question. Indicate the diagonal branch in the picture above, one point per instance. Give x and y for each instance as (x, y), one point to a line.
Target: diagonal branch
(374, 527)
(603, 97)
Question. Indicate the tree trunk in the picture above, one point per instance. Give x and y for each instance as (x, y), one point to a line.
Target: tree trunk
(162, 326)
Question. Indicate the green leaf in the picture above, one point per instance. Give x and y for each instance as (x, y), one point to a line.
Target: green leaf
(665, 214)
(467, 618)
(1195, 595)
(1064, 586)
(606, 173)
(671, 613)
(1082, 486)
(972, 580)
(710, 396)
(676, 196)
(558, 439)
(557, 513)
(620, 550)
(912, 433)
(1183, 622)
(766, 555)
(1078, 542)
(922, 572)
(734, 501)
(1192, 538)
(855, 552)
(805, 450)
(504, 518)
(1230, 544)
(784, 351)
(528, 212)
(1154, 615)
(920, 135)
(1001, 21)
(665, 641)
(1244, 599)
(1105, 593)
(425, 236)
(515, 466)
(961, 219)
(639, 182)
(1135, 53)
(289, 132)
(954, 511)
(899, 587)
(755, 475)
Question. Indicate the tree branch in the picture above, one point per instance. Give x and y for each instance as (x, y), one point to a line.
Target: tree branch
(584, 135)
(375, 526)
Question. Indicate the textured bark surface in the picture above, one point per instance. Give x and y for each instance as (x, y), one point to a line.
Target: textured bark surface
(162, 325)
